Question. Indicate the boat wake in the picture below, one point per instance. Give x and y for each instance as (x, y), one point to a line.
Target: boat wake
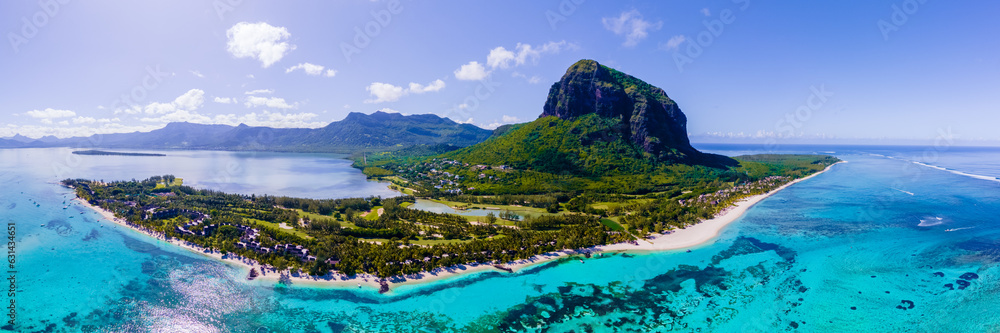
(907, 192)
(957, 229)
(930, 221)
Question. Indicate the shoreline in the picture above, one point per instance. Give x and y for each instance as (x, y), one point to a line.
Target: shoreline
(688, 237)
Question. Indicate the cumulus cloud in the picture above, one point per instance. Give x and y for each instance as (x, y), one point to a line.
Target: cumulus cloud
(272, 102)
(191, 100)
(522, 53)
(472, 71)
(434, 86)
(631, 25)
(510, 119)
(224, 100)
(50, 113)
(312, 69)
(385, 92)
(259, 91)
(260, 41)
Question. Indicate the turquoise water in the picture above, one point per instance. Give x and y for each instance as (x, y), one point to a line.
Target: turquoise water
(863, 247)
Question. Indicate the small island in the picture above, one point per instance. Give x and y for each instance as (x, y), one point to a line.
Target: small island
(113, 153)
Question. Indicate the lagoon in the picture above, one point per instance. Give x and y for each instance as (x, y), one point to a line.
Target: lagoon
(842, 251)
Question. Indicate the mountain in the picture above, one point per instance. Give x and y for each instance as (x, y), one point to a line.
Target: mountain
(358, 131)
(596, 121)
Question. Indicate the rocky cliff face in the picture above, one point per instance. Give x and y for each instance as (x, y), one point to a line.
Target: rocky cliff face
(648, 117)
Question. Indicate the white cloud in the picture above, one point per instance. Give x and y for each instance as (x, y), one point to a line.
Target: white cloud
(499, 57)
(387, 110)
(674, 42)
(503, 58)
(273, 102)
(631, 25)
(259, 91)
(434, 86)
(134, 109)
(84, 120)
(197, 73)
(160, 108)
(225, 100)
(50, 113)
(260, 41)
(249, 76)
(510, 119)
(46, 121)
(64, 123)
(273, 119)
(191, 100)
(706, 12)
(311, 69)
(384, 92)
(471, 72)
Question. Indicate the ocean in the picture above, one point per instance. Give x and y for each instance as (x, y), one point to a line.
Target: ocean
(898, 239)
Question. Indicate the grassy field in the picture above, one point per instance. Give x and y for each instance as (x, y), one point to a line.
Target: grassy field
(612, 224)
(275, 227)
(176, 182)
(373, 215)
(520, 210)
(343, 224)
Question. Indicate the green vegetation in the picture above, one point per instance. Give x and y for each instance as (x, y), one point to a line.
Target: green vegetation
(655, 198)
(332, 233)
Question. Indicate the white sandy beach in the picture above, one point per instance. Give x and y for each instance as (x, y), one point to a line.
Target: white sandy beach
(706, 230)
(678, 239)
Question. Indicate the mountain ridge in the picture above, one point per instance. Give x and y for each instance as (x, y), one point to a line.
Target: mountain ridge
(596, 121)
(356, 132)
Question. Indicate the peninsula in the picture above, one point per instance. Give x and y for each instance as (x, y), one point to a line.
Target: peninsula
(606, 166)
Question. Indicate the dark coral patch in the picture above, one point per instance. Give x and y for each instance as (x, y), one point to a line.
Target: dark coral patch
(962, 284)
(939, 274)
(969, 276)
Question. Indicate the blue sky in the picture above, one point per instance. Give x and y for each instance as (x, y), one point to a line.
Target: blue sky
(738, 69)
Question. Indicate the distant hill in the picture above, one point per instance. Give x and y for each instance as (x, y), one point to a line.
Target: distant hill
(596, 121)
(357, 132)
